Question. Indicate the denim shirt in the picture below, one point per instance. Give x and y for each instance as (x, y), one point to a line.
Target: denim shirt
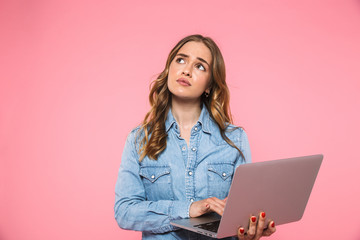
(151, 193)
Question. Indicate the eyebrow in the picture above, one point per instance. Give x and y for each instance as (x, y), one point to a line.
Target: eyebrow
(201, 59)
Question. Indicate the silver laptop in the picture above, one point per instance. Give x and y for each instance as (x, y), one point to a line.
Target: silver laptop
(280, 188)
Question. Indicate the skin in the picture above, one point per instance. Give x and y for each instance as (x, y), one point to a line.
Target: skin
(195, 68)
(257, 228)
(186, 99)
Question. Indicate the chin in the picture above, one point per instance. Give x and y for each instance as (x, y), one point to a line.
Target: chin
(186, 97)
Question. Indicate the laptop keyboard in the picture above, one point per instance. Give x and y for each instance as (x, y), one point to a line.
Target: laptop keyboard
(210, 226)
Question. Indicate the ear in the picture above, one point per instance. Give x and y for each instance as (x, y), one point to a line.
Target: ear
(207, 90)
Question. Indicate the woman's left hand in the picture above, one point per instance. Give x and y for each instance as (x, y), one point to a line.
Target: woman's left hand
(257, 228)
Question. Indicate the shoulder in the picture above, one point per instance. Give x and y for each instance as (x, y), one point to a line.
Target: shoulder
(133, 133)
(242, 142)
(235, 133)
(134, 137)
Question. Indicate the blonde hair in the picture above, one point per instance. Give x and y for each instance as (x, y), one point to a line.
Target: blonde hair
(217, 103)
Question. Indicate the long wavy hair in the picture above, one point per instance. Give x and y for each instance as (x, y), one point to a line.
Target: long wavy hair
(153, 134)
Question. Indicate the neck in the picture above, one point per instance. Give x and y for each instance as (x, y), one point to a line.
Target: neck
(186, 112)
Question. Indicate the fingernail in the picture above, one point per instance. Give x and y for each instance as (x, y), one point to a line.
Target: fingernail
(273, 224)
(241, 230)
(253, 219)
(263, 214)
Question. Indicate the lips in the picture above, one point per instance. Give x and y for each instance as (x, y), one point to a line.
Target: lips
(183, 82)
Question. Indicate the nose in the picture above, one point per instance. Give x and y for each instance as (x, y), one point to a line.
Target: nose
(186, 71)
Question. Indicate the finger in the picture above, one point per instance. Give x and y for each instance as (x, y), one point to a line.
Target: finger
(199, 208)
(217, 201)
(216, 205)
(217, 208)
(205, 207)
(241, 233)
(260, 225)
(252, 227)
(270, 229)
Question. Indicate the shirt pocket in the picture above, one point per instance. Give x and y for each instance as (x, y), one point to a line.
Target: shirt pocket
(219, 179)
(157, 182)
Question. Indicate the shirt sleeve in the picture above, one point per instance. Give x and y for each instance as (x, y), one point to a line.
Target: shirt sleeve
(245, 149)
(132, 210)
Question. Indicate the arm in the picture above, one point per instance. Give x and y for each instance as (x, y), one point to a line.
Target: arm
(245, 148)
(132, 210)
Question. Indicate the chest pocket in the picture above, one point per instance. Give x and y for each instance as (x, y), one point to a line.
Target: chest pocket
(219, 179)
(157, 182)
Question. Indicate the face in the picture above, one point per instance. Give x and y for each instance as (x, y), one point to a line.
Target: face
(190, 72)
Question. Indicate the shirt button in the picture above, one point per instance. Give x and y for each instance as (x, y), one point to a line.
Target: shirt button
(195, 128)
(224, 174)
(191, 199)
(152, 176)
(183, 148)
(194, 149)
(190, 173)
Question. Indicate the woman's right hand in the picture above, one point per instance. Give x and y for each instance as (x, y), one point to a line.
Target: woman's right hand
(207, 205)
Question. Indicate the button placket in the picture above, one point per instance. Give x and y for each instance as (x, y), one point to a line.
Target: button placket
(191, 163)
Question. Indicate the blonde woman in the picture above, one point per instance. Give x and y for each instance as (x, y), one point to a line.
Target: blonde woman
(179, 162)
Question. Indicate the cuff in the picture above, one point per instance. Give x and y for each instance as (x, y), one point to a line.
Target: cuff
(179, 209)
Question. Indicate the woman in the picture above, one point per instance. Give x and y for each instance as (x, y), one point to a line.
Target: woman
(179, 163)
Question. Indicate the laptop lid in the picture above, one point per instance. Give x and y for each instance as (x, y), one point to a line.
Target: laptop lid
(281, 188)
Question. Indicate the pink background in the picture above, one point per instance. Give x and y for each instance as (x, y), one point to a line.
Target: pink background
(75, 77)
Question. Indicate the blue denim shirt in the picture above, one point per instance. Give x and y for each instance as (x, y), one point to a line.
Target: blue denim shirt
(151, 193)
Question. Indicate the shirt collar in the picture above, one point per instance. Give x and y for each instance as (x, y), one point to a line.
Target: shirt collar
(170, 120)
(204, 120)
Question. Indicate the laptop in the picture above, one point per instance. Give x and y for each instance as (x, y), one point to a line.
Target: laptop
(281, 188)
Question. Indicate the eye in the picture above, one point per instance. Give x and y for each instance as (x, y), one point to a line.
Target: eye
(201, 67)
(179, 59)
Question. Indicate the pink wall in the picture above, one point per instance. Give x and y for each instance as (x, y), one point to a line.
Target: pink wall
(74, 81)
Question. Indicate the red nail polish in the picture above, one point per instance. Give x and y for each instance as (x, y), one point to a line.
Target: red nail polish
(273, 224)
(253, 219)
(242, 230)
(263, 214)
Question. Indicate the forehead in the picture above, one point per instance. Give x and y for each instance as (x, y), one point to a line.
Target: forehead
(195, 50)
